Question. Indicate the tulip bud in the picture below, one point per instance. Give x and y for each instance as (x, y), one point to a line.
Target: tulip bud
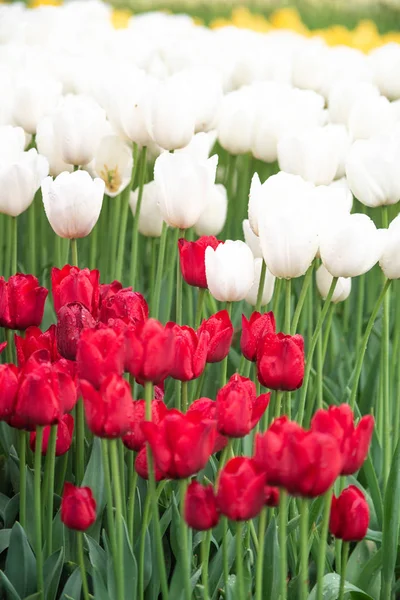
(268, 288)
(240, 494)
(72, 319)
(390, 259)
(49, 146)
(349, 515)
(150, 219)
(21, 302)
(201, 511)
(113, 163)
(34, 340)
(371, 116)
(78, 507)
(280, 361)
(141, 467)
(192, 259)
(190, 354)
(271, 496)
(100, 353)
(71, 284)
(9, 383)
(134, 439)
(65, 429)
(253, 331)
(128, 106)
(324, 281)
(251, 239)
(72, 203)
(344, 94)
(236, 121)
(129, 307)
(213, 217)
(207, 409)
(220, 330)
(34, 98)
(205, 91)
(229, 271)
(150, 351)
(385, 61)
(12, 143)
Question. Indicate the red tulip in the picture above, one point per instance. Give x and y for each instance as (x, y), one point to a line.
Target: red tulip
(106, 290)
(271, 496)
(9, 375)
(192, 259)
(280, 361)
(100, 353)
(353, 441)
(181, 444)
(201, 507)
(108, 410)
(349, 515)
(135, 439)
(220, 330)
(241, 494)
(3, 346)
(149, 351)
(71, 284)
(21, 302)
(65, 430)
(238, 408)
(190, 352)
(72, 319)
(78, 507)
(253, 330)
(128, 306)
(207, 409)
(36, 339)
(141, 466)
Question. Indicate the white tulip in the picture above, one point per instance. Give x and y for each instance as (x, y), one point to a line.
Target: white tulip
(78, 126)
(351, 246)
(371, 116)
(372, 170)
(128, 106)
(324, 281)
(236, 121)
(310, 154)
(229, 271)
(205, 89)
(72, 202)
(20, 180)
(184, 186)
(213, 217)
(332, 202)
(113, 163)
(150, 219)
(251, 239)
(341, 140)
(35, 97)
(268, 289)
(390, 259)
(200, 145)
(344, 94)
(385, 62)
(49, 145)
(12, 143)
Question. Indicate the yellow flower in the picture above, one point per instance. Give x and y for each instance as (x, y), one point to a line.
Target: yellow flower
(288, 18)
(365, 36)
(243, 18)
(335, 35)
(120, 18)
(36, 3)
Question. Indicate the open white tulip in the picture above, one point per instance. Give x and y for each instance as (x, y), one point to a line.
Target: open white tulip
(390, 259)
(35, 97)
(72, 202)
(324, 281)
(150, 219)
(268, 289)
(213, 217)
(229, 271)
(251, 239)
(184, 187)
(113, 163)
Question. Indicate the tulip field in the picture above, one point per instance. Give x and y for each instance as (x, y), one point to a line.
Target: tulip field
(199, 305)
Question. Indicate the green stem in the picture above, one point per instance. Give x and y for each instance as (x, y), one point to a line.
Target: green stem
(205, 553)
(303, 549)
(225, 560)
(184, 389)
(135, 232)
(328, 327)
(386, 404)
(32, 235)
(94, 238)
(132, 478)
(14, 263)
(184, 541)
(283, 513)
(360, 310)
(74, 253)
(22, 477)
(179, 280)
(80, 442)
(145, 519)
(262, 524)
(160, 270)
(50, 466)
(239, 560)
(323, 543)
(310, 353)
(115, 225)
(81, 562)
(200, 304)
(124, 216)
(345, 554)
(302, 298)
(275, 304)
(224, 364)
(38, 511)
(261, 286)
(320, 368)
(119, 556)
(107, 482)
(288, 299)
(121, 458)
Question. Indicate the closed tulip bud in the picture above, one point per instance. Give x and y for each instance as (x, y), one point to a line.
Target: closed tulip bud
(36, 339)
(344, 94)
(271, 496)
(238, 407)
(349, 515)
(34, 98)
(220, 330)
(205, 90)
(150, 219)
(113, 163)
(184, 186)
(78, 124)
(127, 107)
(72, 319)
(207, 409)
(108, 410)
(371, 116)
(236, 121)
(201, 511)
(134, 439)
(253, 331)
(268, 288)
(229, 271)
(78, 507)
(212, 219)
(371, 171)
(9, 375)
(324, 281)
(251, 239)
(12, 143)
(71, 284)
(72, 203)
(65, 430)
(150, 351)
(49, 146)
(385, 61)
(354, 441)
(343, 250)
(181, 444)
(130, 307)
(190, 352)
(241, 494)
(192, 259)
(390, 259)
(100, 353)
(20, 180)
(141, 467)
(280, 361)
(22, 302)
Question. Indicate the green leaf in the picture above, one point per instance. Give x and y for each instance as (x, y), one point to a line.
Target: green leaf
(271, 561)
(94, 478)
(20, 563)
(130, 567)
(11, 511)
(72, 588)
(97, 557)
(4, 500)
(374, 488)
(36, 596)
(391, 518)
(7, 587)
(5, 535)
(331, 585)
(52, 573)
(216, 571)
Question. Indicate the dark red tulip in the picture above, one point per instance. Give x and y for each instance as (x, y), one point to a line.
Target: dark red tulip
(271, 496)
(100, 353)
(9, 381)
(149, 351)
(253, 330)
(78, 507)
(280, 361)
(3, 346)
(106, 290)
(220, 329)
(241, 494)
(201, 507)
(72, 319)
(134, 439)
(65, 430)
(192, 259)
(71, 284)
(128, 306)
(36, 339)
(22, 302)
(190, 352)
(349, 515)
(207, 409)
(141, 466)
